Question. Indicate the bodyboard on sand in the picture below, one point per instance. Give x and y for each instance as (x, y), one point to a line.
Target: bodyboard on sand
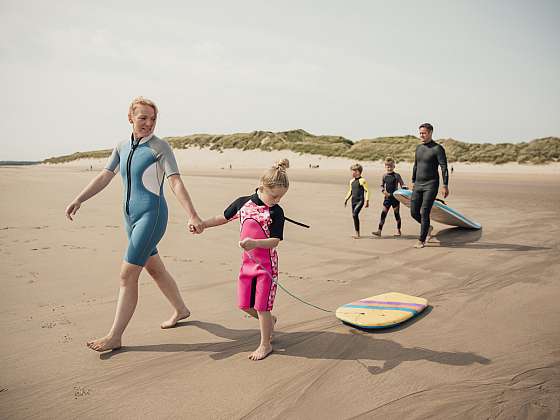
(381, 311)
(441, 212)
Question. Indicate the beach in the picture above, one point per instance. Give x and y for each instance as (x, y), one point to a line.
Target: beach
(488, 346)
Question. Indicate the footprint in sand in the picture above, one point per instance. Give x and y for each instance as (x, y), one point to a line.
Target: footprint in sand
(73, 246)
(65, 339)
(337, 281)
(80, 391)
(39, 227)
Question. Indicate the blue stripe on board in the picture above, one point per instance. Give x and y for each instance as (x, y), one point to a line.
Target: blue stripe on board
(383, 308)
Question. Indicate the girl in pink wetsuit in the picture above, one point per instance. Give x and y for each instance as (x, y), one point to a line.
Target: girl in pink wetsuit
(262, 226)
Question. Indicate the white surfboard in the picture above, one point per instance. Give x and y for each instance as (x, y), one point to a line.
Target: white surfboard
(441, 212)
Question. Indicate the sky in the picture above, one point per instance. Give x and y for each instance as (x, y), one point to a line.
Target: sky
(479, 71)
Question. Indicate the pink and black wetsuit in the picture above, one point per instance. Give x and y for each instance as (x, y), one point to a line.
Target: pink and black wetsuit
(255, 288)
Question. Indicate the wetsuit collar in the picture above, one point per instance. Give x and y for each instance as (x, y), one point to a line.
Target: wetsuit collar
(142, 140)
(255, 199)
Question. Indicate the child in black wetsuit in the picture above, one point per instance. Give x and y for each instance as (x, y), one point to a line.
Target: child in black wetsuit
(358, 190)
(389, 184)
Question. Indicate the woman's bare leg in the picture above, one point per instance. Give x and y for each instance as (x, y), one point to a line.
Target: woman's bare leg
(126, 304)
(169, 288)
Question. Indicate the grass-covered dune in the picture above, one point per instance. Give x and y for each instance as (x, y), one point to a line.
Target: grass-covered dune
(401, 148)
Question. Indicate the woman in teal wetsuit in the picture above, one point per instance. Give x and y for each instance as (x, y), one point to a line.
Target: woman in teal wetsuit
(143, 162)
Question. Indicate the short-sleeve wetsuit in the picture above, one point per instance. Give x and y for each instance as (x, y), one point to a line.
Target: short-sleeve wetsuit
(255, 287)
(425, 177)
(143, 164)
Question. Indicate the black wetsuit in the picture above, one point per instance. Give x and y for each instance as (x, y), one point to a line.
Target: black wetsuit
(425, 177)
(389, 184)
(358, 190)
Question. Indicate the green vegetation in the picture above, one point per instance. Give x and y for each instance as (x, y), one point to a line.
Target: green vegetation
(401, 148)
(96, 154)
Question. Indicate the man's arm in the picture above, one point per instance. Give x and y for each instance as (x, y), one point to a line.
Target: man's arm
(442, 160)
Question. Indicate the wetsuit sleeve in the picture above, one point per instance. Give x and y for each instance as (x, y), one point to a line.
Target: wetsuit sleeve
(400, 180)
(276, 227)
(232, 211)
(365, 187)
(382, 185)
(168, 160)
(114, 160)
(349, 193)
(414, 167)
(442, 160)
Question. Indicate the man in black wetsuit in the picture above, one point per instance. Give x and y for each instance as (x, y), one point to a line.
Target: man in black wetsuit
(425, 180)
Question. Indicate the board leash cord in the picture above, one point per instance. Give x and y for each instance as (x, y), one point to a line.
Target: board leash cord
(275, 281)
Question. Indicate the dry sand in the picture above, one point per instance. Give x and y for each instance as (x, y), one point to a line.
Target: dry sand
(488, 347)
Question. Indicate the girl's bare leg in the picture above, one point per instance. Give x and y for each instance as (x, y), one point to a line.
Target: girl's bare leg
(265, 348)
(169, 288)
(126, 304)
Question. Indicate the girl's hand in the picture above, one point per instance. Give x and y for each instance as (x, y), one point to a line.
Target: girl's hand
(72, 209)
(196, 225)
(248, 244)
(367, 204)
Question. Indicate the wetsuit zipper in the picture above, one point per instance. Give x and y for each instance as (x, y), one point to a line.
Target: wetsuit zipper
(128, 165)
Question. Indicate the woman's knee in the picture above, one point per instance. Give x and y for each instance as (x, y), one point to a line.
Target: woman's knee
(156, 271)
(129, 276)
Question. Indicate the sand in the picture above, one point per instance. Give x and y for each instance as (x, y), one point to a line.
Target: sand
(488, 346)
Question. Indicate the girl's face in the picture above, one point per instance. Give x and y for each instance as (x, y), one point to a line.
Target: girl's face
(143, 121)
(356, 173)
(272, 196)
(389, 167)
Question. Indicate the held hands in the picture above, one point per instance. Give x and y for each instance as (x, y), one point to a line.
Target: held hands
(196, 225)
(72, 209)
(248, 244)
(445, 191)
(367, 203)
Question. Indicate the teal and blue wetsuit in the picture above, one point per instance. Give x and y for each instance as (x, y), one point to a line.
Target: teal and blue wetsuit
(143, 164)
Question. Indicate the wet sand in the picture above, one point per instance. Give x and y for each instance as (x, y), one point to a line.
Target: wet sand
(487, 347)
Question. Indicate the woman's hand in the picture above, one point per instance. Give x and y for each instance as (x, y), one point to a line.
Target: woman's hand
(196, 225)
(72, 209)
(248, 244)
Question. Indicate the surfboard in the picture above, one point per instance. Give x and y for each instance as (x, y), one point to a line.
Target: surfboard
(441, 212)
(381, 311)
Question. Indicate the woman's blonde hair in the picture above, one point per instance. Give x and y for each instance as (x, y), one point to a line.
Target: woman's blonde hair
(277, 175)
(140, 100)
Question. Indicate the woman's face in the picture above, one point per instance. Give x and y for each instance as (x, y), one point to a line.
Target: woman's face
(272, 196)
(143, 121)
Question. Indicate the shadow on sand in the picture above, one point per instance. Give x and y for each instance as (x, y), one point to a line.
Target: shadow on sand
(320, 345)
(457, 237)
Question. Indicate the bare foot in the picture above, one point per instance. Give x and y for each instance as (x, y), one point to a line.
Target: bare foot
(430, 230)
(378, 233)
(104, 344)
(419, 244)
(274, 320)
(261, 352)
(398, 233)
(356, 235)
(177, 316)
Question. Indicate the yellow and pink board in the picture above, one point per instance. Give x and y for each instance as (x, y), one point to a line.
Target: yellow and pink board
(381, 311)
